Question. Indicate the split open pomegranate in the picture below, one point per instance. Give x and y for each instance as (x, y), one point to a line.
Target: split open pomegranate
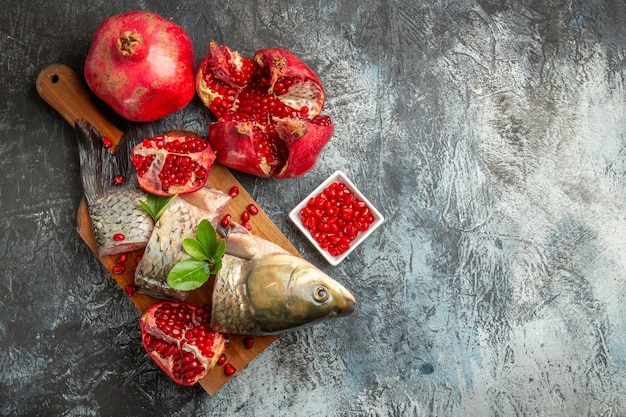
(169, 165)
(268, 109)
(178, 338)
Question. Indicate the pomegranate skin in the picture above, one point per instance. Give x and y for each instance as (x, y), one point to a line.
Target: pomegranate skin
(303, 142)
(303, 150)
(141, 65)
(233, 143)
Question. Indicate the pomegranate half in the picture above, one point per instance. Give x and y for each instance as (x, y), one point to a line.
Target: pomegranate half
(268, 109)
(178, 338)
(142, 65)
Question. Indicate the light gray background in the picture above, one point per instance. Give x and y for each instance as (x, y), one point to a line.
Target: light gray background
(490, 133)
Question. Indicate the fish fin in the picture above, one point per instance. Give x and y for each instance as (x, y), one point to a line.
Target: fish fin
(232, 228)
(247, 246)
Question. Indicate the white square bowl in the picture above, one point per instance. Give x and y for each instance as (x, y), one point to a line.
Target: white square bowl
(337, 176)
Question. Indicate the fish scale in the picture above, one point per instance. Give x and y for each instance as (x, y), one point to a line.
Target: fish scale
(164, 249)
(229, 300)
(119, 212)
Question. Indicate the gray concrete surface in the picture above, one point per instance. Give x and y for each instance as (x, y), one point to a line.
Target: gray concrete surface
(491, 134)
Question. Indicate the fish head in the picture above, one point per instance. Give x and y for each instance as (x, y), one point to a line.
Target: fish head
(287, 292)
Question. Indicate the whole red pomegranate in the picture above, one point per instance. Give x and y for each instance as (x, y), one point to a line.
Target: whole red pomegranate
(142, 65)
(167, 165)
(268, 109)
(178, 338)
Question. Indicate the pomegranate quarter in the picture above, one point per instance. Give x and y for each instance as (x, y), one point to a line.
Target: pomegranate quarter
(268, 109)
(336, 217)
(179, 339)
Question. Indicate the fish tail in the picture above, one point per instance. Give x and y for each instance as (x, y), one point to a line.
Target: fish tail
(101, 169)
(96, 162)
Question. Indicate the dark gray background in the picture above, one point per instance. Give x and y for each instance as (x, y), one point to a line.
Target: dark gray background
(490, 133)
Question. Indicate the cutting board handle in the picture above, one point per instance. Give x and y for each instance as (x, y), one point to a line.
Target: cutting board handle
(61, 87)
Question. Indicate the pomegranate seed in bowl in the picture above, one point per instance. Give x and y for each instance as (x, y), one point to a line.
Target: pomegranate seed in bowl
(336, 217)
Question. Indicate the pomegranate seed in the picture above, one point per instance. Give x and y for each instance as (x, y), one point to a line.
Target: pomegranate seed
(131, 290)
(248, 342)
(118, 237)
(225, 220)
(222, 360)
(234, 191)
(335, 217)
(252, 209)
(119, 268)
(118, 180)
(245, 216)
(121, 259)
(247, 225)
(229, 369)
(107, 142)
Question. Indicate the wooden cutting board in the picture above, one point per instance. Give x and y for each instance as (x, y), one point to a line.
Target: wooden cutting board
(59, 86)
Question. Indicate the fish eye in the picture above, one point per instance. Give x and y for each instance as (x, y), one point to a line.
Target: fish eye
(320, 294)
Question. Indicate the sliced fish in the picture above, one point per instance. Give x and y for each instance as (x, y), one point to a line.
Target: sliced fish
(119, 222)
(165, 247)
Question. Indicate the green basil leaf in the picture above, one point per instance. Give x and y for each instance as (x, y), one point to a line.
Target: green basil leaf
(196, 250)
(203, 234)
(155, 205)
(216, 266)
(220, 249)
(188, 274)
(147, 208)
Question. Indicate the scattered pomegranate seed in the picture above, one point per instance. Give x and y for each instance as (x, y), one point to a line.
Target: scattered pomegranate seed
(234, 191)
(229, 369)
(118, 237)
(248, 342)
(335, 217)
(119, 268)
(118, 180)
(121, 259)
(107, 142)
(138, 258)
(252, 209)
(222, 360)
(131, 290)
(226, 342)
(247, 225)
(225, 220)
(245, 216)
